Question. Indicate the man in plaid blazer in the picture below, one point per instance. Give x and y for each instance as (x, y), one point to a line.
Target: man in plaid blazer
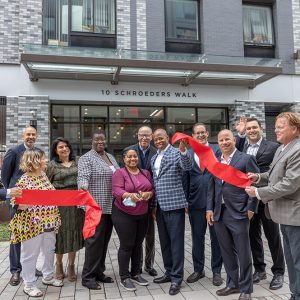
(168, 166)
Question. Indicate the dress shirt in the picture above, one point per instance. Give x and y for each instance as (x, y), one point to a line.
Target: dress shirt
(144, 150)
(159, 157)
(196, 158)
(253, 148)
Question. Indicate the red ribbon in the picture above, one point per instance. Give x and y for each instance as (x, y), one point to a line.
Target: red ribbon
(66, 198)
(209, 161)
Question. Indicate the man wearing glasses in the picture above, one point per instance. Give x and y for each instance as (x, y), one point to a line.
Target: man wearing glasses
(146, 152)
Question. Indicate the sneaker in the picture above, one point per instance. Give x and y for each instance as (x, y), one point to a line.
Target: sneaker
(139, 280)
(128, 285)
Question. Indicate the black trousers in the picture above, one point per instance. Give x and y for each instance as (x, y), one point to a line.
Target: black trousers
(234, 241)
(272, 234)
(149, 244)
(131, 230)
(170, 226)
(96, 249)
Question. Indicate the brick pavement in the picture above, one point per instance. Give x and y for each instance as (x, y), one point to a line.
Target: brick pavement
(203, 289)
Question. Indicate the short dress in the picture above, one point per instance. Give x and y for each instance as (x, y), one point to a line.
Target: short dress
(69, 237)
(36, 219)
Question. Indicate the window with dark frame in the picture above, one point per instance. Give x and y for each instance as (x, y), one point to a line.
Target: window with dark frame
(89, 23)
(182, 26)
(259, 40)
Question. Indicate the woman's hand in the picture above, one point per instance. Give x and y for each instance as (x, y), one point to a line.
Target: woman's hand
(146, 195)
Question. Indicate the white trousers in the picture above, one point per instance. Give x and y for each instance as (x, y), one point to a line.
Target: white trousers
(30, 251)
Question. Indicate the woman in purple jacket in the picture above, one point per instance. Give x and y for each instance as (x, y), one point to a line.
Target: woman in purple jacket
(133, 190)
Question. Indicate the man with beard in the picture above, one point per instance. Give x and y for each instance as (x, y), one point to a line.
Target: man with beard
(10, 174)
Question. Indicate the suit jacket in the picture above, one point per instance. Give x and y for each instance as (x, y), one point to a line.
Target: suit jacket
(265, 153)
(282, 190)
(195, 182)
(152, 152)
(10, 169)
(169, 191)
(3, 194)
(236, 199)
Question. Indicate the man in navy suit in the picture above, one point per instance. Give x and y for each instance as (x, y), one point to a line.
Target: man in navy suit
(168, 166)
(145, 152)
(264, 152)
(195, 185)
(10, 174)
(230, 209)
(8, 193)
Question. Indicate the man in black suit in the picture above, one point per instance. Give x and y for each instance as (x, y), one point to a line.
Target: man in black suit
(145, 152)
(229, 209)
(195, 184)
(263, 151)
(10, 174)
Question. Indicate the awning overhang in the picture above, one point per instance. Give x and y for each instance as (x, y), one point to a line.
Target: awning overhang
(114, 65)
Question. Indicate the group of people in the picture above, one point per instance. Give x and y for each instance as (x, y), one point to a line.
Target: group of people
(162, 183)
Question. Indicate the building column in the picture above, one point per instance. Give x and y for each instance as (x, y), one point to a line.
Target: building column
(247, 109)
(20, 112)
(123, 24)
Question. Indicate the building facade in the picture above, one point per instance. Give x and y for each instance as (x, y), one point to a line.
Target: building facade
(74, 66)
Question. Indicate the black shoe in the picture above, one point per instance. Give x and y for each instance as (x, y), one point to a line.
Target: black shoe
(151, 271)
(195, 277)
(276, 282)
(15, 279)
(258, 276)
(244, 296)
(139, 280)
(128, 285)
(105, 279)
(174, 289)
(227, 291)
(38, 273)
(92, 285)
(217, 279)
(162, 279)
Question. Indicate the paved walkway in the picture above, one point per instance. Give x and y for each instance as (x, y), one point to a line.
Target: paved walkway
(203, 289)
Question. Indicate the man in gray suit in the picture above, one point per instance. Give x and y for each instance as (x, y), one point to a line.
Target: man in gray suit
(280, 191)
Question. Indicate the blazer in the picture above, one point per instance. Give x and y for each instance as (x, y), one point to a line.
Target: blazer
(152, 152)
(281, 185)
(195, 182)
(96, 175)
(235, 199)
(265, 153)
(169, 193)
(3, 193)
(11, 172)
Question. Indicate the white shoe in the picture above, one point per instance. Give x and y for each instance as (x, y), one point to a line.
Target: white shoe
(53, 282)
(33, 291)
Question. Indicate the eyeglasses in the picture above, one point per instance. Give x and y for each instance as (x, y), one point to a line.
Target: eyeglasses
(146, 136)
(200, 133)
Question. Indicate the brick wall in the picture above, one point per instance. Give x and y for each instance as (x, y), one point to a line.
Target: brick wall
(123, 24)
(18, 116)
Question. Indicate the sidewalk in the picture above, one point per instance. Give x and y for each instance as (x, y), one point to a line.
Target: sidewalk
(203, 289)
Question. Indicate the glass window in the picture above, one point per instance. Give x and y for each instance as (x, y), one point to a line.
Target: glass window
(97, 16)
(182, 19)
(55, 22)
(212, 115)
(94, 114)
(181, 115)
(65, 113)
(135, 114)
(258, 25)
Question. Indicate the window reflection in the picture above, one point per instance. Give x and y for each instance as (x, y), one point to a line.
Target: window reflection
(181, 115)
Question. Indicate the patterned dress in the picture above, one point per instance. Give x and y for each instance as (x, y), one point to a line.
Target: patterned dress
(36, 219)
(69, 237)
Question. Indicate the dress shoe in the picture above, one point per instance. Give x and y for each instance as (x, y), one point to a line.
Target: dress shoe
(195, 277)
(174, 289)
(244, 296)
(276, 282)
(162, 279)
(227, 291)
(217, 279)
(258, 276)
(15, 279)
(151, 271)
(105, 279)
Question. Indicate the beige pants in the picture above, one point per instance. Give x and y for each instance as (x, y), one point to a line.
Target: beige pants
(30, 251)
